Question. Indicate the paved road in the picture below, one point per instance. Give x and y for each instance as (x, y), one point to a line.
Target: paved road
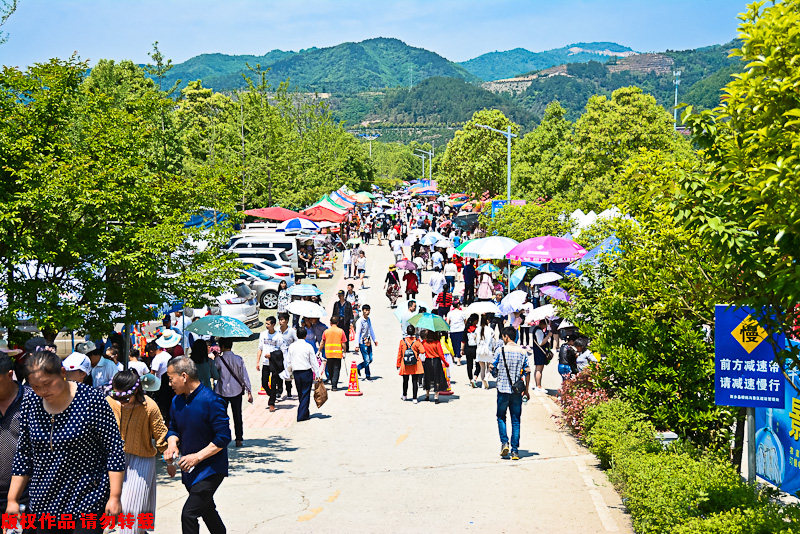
(377, 464)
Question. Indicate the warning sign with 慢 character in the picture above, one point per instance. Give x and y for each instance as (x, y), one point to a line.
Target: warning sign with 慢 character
(746, 373)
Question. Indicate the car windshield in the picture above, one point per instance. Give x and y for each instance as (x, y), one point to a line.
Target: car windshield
(272, 264)
(258, 274)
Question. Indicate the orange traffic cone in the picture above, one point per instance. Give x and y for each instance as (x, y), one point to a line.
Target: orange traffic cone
(262, 392)
(448, 391)
(352, 390)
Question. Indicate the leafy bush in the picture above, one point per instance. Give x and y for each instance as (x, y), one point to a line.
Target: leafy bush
(577, 393)
(663, 490)
(770, 518)
(615, 428)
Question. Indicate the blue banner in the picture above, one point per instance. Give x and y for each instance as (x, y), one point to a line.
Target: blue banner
(778, 438)
(745, 373)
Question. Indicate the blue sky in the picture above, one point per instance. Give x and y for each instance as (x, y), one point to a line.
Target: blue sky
(457, 29)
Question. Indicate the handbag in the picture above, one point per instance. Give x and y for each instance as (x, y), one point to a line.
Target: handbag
(352, 335)
(517, 386)
(320, 393)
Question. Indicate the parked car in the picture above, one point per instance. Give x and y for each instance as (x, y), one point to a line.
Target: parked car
(275, 270)
(240, 302)
(276, 256)
(264, 286)
(258, 243)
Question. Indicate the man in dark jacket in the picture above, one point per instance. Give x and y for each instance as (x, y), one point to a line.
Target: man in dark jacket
(469, 282)
(344, 311)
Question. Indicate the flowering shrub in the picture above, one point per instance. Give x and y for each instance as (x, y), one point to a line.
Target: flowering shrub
(577, 393)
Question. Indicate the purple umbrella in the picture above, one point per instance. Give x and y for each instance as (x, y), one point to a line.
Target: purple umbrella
(406, 265)
(555, 292)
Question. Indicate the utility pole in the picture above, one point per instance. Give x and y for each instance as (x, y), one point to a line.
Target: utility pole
(430, 162)
(675, 112)
(241, 108)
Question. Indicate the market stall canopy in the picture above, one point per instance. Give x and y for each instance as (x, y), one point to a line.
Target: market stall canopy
(273, 214)
(546, 249)
(326, 202)
(320, 213)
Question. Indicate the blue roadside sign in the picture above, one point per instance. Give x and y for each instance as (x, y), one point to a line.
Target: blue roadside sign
(745, 373)
(497, 205)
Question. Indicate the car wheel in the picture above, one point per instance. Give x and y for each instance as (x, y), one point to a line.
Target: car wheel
(269, 300)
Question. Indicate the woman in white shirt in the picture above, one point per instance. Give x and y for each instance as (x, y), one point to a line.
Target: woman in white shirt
(361, 267)
(347, 261)
(450, 274)
(457, 321)
(302, 364)
(485, 351)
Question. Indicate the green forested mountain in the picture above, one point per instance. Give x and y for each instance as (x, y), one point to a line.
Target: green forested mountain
(445, 100)
(345, 68)
(704, 72)
(499, 65)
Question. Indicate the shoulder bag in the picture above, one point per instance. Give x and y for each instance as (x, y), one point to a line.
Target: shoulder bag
(517, 386)
(228, 367)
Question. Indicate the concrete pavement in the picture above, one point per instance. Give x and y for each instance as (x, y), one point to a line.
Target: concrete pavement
(377, 464)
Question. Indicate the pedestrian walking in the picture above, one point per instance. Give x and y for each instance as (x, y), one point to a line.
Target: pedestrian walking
(304, 367)
(392, 286)
(457, 321)
(232, 384)
(450, 273)
(141, 426)
(206, 369)
(361, 266)
(469, 282)
(333, 343)
(485, 349)
(510, 368)
(283, 296)
(269, 360)
(567, 358)
(541, 352)
(344, 311)
(412, 284)
(197, 443)
(409, 364)
(437, 282)
(444, 301)
(289, 336)
(433, 365)
(12, 396)
(471, 347)
(69, 448)
(420, 263)
(159, 368)
(347, 262)
(486, 287)
(365, 336)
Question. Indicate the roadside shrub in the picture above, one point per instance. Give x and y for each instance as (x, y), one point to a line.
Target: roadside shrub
(576, 394)
(664, 490)
(770, 518)
(615, 428)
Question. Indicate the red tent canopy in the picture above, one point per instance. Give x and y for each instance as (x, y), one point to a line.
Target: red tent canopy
(318, 213)
(275, 214)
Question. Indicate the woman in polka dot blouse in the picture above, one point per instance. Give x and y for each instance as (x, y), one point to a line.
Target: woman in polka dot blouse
(69, 449)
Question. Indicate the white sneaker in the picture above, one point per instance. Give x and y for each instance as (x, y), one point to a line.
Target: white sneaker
(416, 401)
(403, 397)
(539, 390)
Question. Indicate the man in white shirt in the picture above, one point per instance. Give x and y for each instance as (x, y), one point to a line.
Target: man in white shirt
(365, 336)
(302, 364)
(437, 259)
(412, 311)
(347, 261)
(269, 360)
(437, 282)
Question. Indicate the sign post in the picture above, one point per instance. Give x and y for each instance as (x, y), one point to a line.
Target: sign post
(745, 373)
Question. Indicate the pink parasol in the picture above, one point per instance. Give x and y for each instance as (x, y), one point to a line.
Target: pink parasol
(547, 249)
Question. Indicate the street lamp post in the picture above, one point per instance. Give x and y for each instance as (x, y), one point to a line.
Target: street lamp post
(508, 136)
(423, 163)
(370, 138)
(429, 153)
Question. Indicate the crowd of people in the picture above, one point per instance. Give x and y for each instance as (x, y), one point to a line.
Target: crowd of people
(81, 436)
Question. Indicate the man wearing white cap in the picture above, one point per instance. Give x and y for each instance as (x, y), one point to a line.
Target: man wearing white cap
(78, 367)
(103, 370)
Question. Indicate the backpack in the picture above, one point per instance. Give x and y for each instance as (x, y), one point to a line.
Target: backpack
(409, 357)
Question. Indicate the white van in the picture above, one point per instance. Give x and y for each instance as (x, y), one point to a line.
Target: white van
(252, 243)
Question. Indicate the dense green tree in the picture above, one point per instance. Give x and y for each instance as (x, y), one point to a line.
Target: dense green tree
(531, 220)
(90, 229)
(540, 156)
(475, 160)
(7, 8)
(607, 136)
(743, 204)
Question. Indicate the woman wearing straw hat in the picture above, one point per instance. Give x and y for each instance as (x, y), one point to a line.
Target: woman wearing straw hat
(140, 424)
(166, 342)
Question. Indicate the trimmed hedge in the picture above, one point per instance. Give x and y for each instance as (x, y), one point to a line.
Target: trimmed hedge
(679, 489)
